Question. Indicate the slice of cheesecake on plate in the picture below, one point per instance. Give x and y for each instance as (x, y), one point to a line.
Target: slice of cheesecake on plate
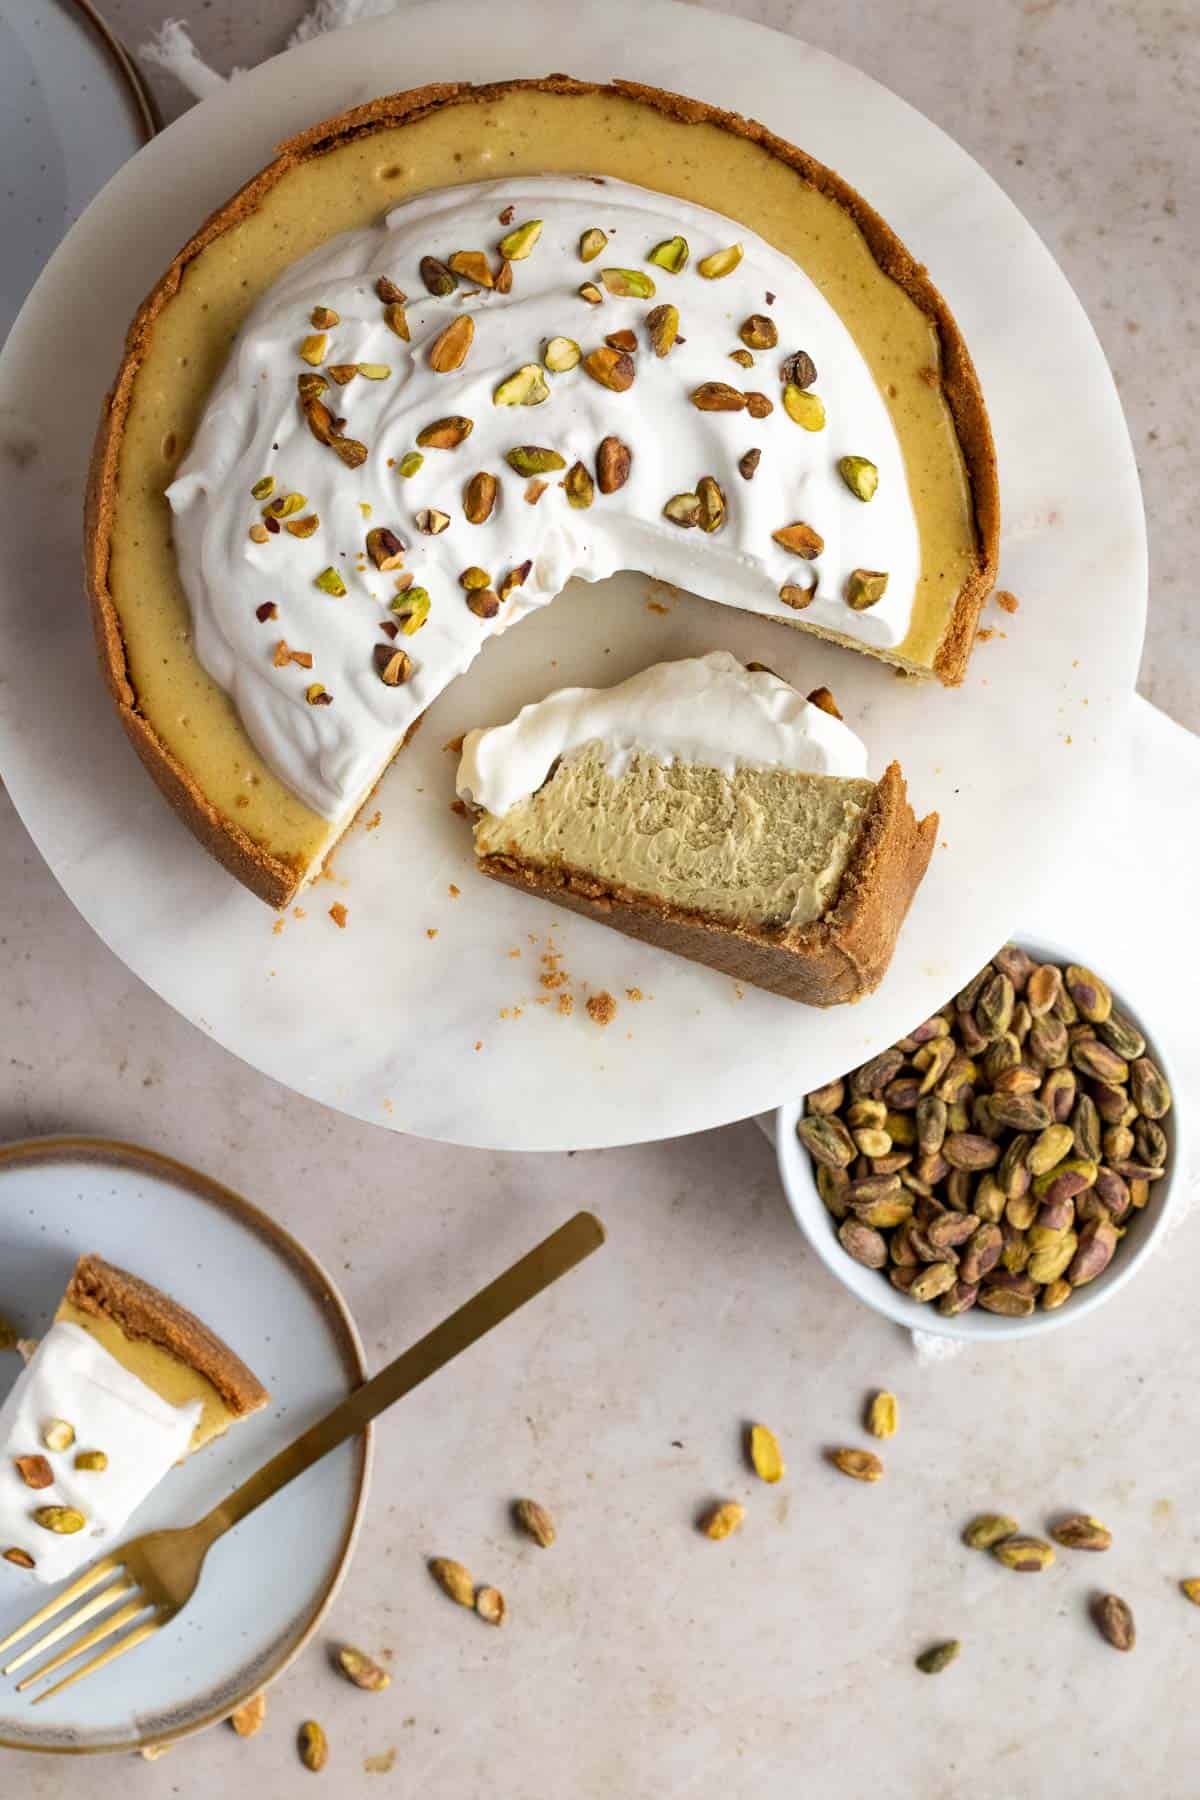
(125, 1384)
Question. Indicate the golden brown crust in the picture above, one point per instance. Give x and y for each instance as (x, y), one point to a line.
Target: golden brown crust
(839, 957)
(142, 1311)
(273, 879)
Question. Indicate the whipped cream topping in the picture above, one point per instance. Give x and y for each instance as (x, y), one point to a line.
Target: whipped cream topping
(706, 710)
(72, 1377)
(253, 426)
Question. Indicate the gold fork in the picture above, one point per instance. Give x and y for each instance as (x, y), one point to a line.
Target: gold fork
(158, 1573)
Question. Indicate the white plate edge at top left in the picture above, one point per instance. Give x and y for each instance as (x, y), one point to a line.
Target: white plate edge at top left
(67, 1150)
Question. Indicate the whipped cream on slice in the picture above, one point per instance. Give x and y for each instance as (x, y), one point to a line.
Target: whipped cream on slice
(707, 710)
(72, 1377)
(253, 427)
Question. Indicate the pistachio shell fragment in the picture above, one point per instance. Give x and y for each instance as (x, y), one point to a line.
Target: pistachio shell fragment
(449, 349)
(534, 459)
(864, 587)
(516, 244)
(860, 476)
(803, 407)
(591, 243)
(561, 354)
(720, 263)
(671, 254)
(723, 1520)
(766, 1458)
(526, 388)
(628, 284)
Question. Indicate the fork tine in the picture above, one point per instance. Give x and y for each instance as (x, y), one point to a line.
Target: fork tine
(129, 1642)
(123, 1616)
(97, 1604)
(85, 1583)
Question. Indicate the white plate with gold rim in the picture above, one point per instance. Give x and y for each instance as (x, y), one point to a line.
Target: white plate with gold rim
(439, 1034)
(268, 1585)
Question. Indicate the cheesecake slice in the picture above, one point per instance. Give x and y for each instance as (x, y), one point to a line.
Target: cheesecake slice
(711, 810)
(125, 1384)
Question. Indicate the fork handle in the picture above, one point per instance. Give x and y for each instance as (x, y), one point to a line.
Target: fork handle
(494, 1303)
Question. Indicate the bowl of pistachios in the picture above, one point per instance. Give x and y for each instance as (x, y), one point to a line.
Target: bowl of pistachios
(1002, 1169)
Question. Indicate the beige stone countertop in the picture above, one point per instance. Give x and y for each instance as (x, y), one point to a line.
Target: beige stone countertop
(639, 1659)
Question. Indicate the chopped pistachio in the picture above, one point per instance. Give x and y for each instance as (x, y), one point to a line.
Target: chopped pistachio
(396, 319)
(474, 265)
(591, 293)
(671, 254)
(330, 582)
(262, 490)
(561, 354)
(409, 463)
(446, 434)
(313, 348)
(432, 521)
(527, 387)
(662, 322)
(859, 475)
(628, 284)
(412, 609)
(534, 459)
(591, 243)
(374, 371)
(863, 588)
(720, 263)
(317, 694)
(305, 527)
(804, 408)
(516, 244)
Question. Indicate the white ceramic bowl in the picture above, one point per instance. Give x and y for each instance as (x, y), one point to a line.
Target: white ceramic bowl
(875, 1290)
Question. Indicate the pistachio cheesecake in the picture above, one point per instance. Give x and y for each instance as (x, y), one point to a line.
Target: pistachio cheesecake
(455, 347)
(125, 1384)
(710, 809)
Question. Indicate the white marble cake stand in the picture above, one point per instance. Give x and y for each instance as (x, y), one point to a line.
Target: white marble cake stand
(406, 1029)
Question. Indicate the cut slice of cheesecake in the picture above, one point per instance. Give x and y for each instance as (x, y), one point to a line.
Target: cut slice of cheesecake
(711, 810)
(125, 1384)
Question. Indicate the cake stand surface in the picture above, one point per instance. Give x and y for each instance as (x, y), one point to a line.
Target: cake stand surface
(423, 1015)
